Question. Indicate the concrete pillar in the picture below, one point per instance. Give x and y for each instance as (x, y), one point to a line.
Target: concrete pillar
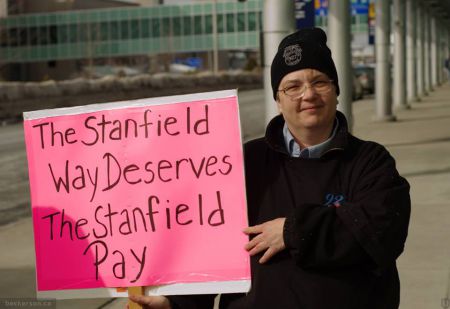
(3, 8)
(420, 55)
(411, 55)
(434, 55)
(339, 32)
(383, 98)
(215, 53)
(399, 56)
(427, 54)
(279, 21)
(438, 50)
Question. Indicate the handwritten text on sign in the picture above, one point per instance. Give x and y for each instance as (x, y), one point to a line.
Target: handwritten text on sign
(138, 195)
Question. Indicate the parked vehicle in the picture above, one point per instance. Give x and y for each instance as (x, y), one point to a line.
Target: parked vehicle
(366, 75)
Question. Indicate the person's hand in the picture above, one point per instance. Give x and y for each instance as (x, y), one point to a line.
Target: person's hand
(151, 302)
(269, 238)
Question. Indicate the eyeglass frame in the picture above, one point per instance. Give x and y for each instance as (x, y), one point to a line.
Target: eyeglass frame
(305, 87)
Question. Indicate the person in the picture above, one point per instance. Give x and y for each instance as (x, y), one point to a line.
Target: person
(328, 212)
(447, 67)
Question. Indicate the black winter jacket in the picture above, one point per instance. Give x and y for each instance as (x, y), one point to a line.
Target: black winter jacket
(347, 216)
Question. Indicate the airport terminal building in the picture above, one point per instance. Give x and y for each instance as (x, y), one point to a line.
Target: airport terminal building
(68, 38)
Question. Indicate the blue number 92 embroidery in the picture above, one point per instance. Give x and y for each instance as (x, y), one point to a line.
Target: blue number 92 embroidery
(333, 200)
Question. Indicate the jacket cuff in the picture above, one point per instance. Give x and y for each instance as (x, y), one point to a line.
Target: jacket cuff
(289, 236)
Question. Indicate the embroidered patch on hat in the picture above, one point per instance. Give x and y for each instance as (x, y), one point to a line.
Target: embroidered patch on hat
(292, 54)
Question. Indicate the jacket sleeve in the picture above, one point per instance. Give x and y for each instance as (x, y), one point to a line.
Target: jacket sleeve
(368, 231)
(192, 301)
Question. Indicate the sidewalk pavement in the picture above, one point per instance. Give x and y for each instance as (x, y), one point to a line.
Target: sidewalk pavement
(420, 142)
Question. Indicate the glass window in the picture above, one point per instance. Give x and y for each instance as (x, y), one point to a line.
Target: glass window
(230, 22)
(23, 36)
(42, 35)
(145, 28)
(241, 21)
(187, 25)
(73, 33)
(176, 24)
(12, 37)
(104, 31)
(252, 21)
(208, 24)
(114, 28)
(166, 31)
(198, 27)
(33, 35)
(124, 29)
(84, 33)
(135, 29)
(155, 28)
(53, 34)
(220, 18)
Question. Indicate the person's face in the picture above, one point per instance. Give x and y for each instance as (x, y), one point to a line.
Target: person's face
(314, 109)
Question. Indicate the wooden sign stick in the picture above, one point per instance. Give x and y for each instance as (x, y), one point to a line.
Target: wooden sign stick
(135, 290)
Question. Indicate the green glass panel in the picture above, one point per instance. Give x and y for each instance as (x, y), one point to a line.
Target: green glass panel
(242, 40)
(229, 6)
(135, 28)
(124, 14)
(104, 31)
(175, 11)
(33, 35)
(145, 28)
(220, 19)
(114, 29)
(156, 28)
(253, 40)
(197, 8)
(165, 11)
(251, 21)
(115, 14)
(43, 35)
(241, 22)
(259, 21)
(62, 34)
(208, 8)
(166, 31)
(198, 27)
(23, 36)
(42, 19)
(208, 24)
(230, 22)
(134, 13)
(187, 27)
(52, 19)
(176, 23)
(124, 29)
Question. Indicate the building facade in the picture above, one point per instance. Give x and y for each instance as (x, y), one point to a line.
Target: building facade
(74, 34)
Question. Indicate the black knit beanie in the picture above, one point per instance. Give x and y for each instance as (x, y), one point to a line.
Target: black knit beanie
(305, 49)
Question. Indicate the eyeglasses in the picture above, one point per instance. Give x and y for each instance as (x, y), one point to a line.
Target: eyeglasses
(298, 90)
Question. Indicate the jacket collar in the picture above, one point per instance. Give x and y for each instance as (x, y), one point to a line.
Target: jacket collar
(274, 135)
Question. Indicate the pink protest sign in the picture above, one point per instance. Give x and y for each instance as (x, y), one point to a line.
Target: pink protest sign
(139, 193)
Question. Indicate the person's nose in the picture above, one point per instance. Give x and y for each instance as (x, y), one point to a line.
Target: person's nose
(308, 92)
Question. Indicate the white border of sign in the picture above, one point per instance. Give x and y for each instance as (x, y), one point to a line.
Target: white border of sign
(238, 286)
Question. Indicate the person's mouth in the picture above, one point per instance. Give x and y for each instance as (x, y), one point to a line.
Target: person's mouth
(310, 108)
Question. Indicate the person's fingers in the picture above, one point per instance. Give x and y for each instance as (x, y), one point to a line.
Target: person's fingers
(268, 255)
(156, 302)
(252, 243)
(253, 229)
(261, 246)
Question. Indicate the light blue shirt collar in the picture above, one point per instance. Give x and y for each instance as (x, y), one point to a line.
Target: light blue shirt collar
(312, 152)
